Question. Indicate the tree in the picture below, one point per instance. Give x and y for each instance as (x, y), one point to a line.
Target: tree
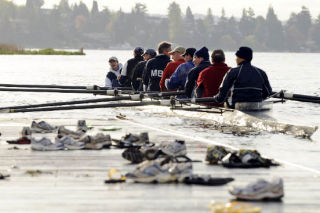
(189, 27)
(274, 32)
(175, 23)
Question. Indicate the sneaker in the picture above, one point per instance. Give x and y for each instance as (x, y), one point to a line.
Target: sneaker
(22, 140)
(42, 127)
(96, 142)
(131, 140)
(151, 172)
(26, 132)
(69, 143)
(139, 154)
(246, 159)
(180, 167)
(178, 147)
(62, 131)
(215, 154)
(82, 126)
(45, 144)
(206, 180)
(233, 207)
(260, 190)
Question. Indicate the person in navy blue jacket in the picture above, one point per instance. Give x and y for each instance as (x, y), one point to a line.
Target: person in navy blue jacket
(246, 83)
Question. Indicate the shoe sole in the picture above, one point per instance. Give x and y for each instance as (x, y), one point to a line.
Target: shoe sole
(264, 196)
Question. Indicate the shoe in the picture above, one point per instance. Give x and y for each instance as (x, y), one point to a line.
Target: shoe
(177, 148)
(62, 131)
(96, 142)
(45, 144)
(259, 190)
(22, 140)
(139, 154)
(42, 127)
(70, 143)
(246, 159)
(131, 140)
(82, 126)
(151, 172)
(26, 132)
(180, 167)
(215, 154)
(233, 207)
(206, 180)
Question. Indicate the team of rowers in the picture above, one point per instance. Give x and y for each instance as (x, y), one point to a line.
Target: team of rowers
(191, 71)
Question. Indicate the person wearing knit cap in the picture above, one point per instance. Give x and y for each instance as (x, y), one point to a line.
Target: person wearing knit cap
(127, 72)
(201, 61)
(247, 83)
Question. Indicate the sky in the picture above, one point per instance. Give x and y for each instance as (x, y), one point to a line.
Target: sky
(283, 8)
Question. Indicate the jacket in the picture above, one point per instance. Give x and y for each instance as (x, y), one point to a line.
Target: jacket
(193, 77)
(168, 71)
(179, 77)
(154, 71)
(247, 83)
(127, 71)
(137, 73)
(111, 80)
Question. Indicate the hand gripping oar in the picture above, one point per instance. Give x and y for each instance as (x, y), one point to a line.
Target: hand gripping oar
(296, 97)
(112, 105)
(53, 86)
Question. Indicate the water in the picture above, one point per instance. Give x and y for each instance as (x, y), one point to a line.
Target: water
(295, 72)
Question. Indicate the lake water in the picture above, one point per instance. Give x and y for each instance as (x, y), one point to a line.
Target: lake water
(294, 72)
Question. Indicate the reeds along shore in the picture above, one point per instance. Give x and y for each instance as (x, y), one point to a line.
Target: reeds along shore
(10, 49)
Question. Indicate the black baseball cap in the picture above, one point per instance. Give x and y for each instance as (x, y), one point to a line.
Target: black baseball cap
(189, 51)
(151, 52)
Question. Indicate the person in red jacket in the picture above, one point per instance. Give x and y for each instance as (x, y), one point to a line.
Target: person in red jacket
(172, 66)
(210, 78)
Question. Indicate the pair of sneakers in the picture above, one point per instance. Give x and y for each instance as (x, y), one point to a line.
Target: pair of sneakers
(161, 170)
(66, 142)
(99, 141)
(240, 159)
(150, 152)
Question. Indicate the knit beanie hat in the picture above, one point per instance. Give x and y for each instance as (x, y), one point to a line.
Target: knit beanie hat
(203, 52)
(245, 53)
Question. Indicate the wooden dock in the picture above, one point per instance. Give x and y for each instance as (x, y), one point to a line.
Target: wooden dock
(73, 181)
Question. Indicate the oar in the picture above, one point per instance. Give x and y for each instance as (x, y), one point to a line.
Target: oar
(93, 87)
(117, 98)
(131, 104)
(296, 97)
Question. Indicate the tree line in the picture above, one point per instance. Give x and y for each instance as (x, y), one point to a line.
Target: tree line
(76, 25)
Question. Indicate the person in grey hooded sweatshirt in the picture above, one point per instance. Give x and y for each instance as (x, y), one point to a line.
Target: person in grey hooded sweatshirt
(114, 71)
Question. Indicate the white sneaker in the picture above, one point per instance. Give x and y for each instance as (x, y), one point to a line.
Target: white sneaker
(45, 144)
(42, 127)
(259, 190)
(82, 126)
(96, 142)
(69, 143)
(176, 148)
(62, 131)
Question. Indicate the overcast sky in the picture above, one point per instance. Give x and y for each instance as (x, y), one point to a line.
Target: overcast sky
(232, 7)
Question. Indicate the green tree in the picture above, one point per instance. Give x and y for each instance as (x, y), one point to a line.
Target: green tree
(175, 23)
(274, 32)
(189, 27)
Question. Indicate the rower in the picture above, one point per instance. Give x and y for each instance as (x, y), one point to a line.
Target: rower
(114, 72)
(246, 82)
(210, 78)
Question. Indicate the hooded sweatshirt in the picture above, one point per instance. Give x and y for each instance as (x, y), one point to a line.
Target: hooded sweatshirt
(111, 77)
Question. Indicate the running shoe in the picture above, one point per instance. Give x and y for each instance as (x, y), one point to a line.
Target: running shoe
(233, 207)
(133, 140)
(177, 148)
(215, 154)
(96, 142)
(26, 132)
(62, 131)
(22, 140)
(206, 180)
(260, 190)
(151, 172)
(139, 154)
(70, 143)
(82, 126)
(246, 159)
(180, 167)
(42, 127)
(45, 144)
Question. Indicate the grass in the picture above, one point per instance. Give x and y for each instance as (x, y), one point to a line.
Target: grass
(9, 49)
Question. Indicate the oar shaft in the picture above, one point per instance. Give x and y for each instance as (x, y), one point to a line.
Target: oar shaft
(131, 104)
(118, 98)
(297, 97)
(103, 92)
